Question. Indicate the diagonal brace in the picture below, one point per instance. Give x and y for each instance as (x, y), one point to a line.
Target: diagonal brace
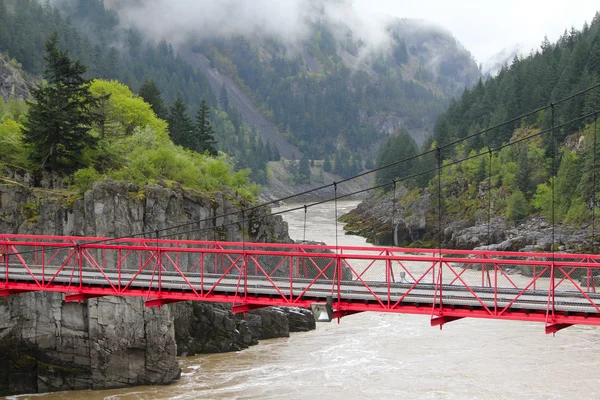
(160, 302)
(440, 321)
(245, 308)
(80, 297)
(343, 313)
(553, 328)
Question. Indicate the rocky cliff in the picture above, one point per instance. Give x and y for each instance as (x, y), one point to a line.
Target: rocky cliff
(47, 344)
(12, 84)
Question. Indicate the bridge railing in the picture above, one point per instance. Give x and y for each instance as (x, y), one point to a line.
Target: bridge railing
(489, 284)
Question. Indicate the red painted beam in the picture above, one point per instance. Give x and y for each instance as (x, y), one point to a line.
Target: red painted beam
(160, 302)
(553, 328)
(246, 307)
(439, 321)
(9, 292)
(81, 297)
(343, 313)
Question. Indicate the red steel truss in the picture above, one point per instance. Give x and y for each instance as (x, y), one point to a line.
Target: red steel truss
(558, 290)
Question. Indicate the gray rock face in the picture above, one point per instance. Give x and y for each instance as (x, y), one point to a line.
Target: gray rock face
(373, 220)
(209, 328)
(12, 83)
(47, 344)
(268, 323)
(300, 319)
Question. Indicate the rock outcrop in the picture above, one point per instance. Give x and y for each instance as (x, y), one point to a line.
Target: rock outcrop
(48, 345)
(12, 84)
(414, 222)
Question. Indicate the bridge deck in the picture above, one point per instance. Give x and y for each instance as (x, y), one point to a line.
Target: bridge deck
(556, 289)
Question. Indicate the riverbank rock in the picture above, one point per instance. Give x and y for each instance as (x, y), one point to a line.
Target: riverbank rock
(268, 323)
(213, 328)
(382, 223)
(300, 319)
(409, 224)
(209, 328)
(49, 345)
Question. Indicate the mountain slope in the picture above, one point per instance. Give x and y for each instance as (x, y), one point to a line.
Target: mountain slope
(327, 94)
(242, 103)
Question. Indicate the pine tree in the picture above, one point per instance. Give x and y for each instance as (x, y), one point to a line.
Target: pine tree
(304, 169)
(327, 164)
(396, 149)
(60, 117)
(151, 95)
(224, 98)
(181, 128)
(204, 136)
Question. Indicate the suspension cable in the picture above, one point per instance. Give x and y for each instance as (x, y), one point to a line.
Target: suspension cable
(394, 215)
(553, 175)
(489, 240)
(242, 230)
(595, 174)
(336, 215)
(439, 162)
(304, 230)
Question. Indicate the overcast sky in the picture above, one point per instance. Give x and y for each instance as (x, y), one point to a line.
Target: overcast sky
(485, 27)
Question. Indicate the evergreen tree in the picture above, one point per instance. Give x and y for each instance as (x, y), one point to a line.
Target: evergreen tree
(151, 95)
(327, 164)
(304, 169)
(204, 138)
(523, 174)
(224, 98)
(60, 117)
(397, 148)
(276, 154)
(400, 52)
(180, 124)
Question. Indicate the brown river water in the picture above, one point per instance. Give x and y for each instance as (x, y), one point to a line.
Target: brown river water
(387, 356)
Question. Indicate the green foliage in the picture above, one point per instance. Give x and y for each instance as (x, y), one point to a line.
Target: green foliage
(84, 178)
(60, 118)
(517, 207)
(121, 111)
(12, 149)
(566, 183)
(542, 200)
(153, 157)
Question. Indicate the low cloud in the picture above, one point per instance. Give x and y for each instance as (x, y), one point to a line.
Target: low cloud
(289, 21)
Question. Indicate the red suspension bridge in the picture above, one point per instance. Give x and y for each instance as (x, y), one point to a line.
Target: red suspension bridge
(558, 290)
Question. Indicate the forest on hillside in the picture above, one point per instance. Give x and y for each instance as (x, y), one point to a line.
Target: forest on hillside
(92, 35)
(544, 163)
